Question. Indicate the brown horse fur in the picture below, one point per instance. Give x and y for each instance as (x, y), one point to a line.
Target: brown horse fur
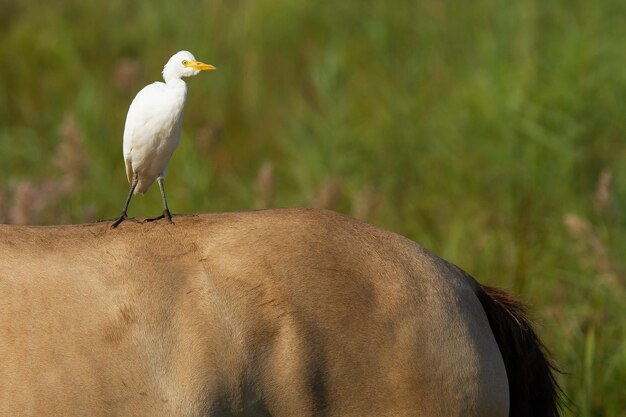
(289, 312)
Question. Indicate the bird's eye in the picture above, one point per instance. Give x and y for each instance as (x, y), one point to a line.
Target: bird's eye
(185, 62)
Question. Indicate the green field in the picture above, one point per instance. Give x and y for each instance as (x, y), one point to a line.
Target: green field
(492, 132)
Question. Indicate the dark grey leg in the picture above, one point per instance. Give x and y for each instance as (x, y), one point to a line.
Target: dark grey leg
(124, 215)
(166, 211)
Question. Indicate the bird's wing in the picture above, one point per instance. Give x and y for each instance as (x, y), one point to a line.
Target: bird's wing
(152, 132)
(129, 170)
(140, 126)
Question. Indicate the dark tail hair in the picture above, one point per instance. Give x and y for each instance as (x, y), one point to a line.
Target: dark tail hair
(533, 390)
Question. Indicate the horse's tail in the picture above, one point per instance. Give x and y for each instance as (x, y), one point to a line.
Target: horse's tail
(533, 389)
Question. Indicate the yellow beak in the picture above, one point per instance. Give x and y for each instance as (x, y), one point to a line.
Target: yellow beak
(201, 66)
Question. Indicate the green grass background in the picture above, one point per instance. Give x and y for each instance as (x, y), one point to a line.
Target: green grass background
(492, 132)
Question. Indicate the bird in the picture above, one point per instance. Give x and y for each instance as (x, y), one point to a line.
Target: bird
(152, 129)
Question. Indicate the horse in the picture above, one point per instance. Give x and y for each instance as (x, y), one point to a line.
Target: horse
(285, 312)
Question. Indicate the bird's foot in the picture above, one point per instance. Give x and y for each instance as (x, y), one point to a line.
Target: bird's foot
(120, 219)
(116, 218)
(166, 215)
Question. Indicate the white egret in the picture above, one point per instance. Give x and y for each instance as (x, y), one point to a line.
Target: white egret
(152, 130)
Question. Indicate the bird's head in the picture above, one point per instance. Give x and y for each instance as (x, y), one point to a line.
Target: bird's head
(184, 64)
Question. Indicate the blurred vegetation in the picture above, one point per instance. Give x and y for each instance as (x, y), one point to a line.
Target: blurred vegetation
(492, 132)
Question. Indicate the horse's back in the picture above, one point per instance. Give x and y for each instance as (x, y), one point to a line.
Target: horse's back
(270, 313)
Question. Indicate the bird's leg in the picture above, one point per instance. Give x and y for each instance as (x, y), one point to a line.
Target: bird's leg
(124, 215)
(166, 211)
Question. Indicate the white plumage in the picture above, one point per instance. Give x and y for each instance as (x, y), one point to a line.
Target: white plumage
(153, 123)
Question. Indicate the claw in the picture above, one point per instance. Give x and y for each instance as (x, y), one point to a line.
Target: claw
(120, 219)
(166, 215)
(132, 219)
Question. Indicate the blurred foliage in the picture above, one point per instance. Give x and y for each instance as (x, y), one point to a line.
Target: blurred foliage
(492, 132)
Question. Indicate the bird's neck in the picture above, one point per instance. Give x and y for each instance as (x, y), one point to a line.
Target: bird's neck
(177, 86)
(174, 81)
